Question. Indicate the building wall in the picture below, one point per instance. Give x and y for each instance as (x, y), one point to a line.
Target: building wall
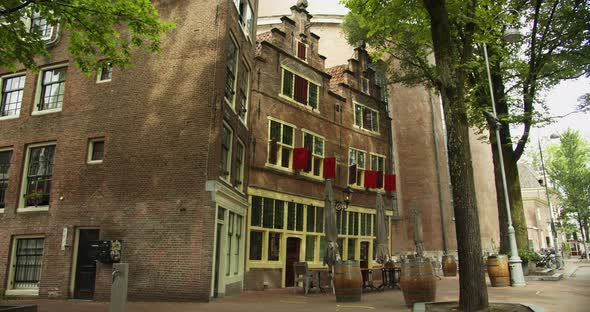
(161, 123)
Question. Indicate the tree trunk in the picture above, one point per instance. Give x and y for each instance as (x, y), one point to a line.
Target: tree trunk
(473, 292)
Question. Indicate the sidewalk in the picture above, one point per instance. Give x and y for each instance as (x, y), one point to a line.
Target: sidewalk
(572, 294)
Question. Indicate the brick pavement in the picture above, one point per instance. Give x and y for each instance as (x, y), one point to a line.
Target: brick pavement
(572, 294)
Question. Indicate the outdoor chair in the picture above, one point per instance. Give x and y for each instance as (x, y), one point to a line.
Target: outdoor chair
(304, 275)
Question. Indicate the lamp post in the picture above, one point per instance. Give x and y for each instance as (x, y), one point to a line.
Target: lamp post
(516, 274)
(343, 205)
(558, 256)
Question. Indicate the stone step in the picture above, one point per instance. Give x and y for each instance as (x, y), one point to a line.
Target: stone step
(553, 277)
(543, 271)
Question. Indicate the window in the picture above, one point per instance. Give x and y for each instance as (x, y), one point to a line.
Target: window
(378, 164)
(238, 236)
(53, 83)
(351, 249)
(224, 159)
(274, 243)
(240, 154)
(365, 85)
(4, 174)
(228, 247)
(39, 172)
(246, 16)
(356, 161)
(341, 217)
(267, 212)
(231, 70)
(301, 50)
(244, 92)
(366, 118)
(295, 217)
(310, 247)
(280, 150)
(95, 150)
(353, 223)
(41, 26)
(255, 245)
(315, 219)
(300, 89)
(105, 74)
(27, 258)
(315, 145)
(12, 95)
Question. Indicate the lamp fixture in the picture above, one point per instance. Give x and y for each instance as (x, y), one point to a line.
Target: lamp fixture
(343, 205)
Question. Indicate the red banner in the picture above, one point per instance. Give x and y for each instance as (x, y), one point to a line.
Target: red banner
(390, 182)
(370, 179)
(329, 167)
(300, 158)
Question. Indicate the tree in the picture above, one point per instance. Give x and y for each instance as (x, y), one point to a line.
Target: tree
(409, 32)
(97, 30)
(569, 169)
(555, 48)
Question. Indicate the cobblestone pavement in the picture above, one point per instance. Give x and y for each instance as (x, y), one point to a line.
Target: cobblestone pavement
(572, 294)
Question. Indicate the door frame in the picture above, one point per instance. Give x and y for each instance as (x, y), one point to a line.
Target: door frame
(284, 254)
(75, 256)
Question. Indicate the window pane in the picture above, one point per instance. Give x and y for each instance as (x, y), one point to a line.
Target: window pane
(351, 248)
(97, 150)
(285, 157)
(308, 141)
(268, 209)
(319, 219)
(275, 130)
(291, 216)
(366, 118)
(27, 264)
(374, 121)
(361, 160)
(53, 88)
(363, 224)
(313, 95)
(287, 135)
(231, 64)
(4, 173)
(299, 217)
(310, 218)
(309, 248)
(287, 83)
(255, 246)
(274, 242)
(322, 248)
(300, 90)
(39, 175)
(358, 115)
(12, 95)
(256, 211)
(279, 214)
(318, 147)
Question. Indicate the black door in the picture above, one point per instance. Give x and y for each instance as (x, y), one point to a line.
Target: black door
(85, 266)
(292, 257)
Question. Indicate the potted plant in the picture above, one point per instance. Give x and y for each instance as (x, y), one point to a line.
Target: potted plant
(529, 261)
(35, 197)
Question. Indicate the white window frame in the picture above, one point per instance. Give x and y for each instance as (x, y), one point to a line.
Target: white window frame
(297, 50)
(365, 85)
(2, 79)
(11, 291)
(244, 110)
(30, 26)
(361, 126)
(23, 189)
(360, 183)
(313, 154)
(91, 143)
(104, 64)
(240, 169)
(39, 91)
(247, 28)
(371, 155)
(280, 146)
(228, 164)
(292, 97)
(10, 150)
(232, 103)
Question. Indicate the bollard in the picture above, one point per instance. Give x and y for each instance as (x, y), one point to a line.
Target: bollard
(119, 287)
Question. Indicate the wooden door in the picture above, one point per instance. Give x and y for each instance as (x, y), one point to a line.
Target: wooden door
(85, 265)
(293, 245)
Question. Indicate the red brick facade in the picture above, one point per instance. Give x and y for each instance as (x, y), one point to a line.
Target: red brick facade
(158, 185)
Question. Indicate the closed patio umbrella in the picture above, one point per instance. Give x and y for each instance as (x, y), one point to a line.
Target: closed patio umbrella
(382, 252)
(332, 252)
(418, 236)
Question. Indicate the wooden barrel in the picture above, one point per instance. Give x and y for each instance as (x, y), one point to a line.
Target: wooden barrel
(348, 281)
(498, 270)
(417, 281)
(449, 266)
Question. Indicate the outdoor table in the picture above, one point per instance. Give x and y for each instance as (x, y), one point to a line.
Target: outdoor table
(319, 272)
(367, 274)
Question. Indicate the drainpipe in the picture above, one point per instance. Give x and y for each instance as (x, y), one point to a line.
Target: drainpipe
(438, 179)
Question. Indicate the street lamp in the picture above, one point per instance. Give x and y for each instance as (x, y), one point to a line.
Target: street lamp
(558, 257)
(347, 194)
(516, 274)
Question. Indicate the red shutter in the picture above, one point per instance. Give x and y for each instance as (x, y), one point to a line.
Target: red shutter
(273, 151)
(352, 174)
(379, 179)
(367, 118)
(390, 182)
(370, 179)
(300, 90)
(300, 158)
(329, 167)
(301, 50)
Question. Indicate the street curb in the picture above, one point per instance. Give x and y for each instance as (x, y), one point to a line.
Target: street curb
(421, 306)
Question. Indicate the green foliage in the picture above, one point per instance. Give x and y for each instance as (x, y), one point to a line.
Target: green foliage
(96, 30)
(528, 255)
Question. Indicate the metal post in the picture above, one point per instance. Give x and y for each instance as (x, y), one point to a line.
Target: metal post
(558, 256)
(516, 274)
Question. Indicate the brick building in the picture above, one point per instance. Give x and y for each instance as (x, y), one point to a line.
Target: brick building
(335, 112)
(153, 156)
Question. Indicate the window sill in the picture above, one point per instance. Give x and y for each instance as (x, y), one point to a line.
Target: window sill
(1, 210)
(9, 117)
(278, 167)
(33, 209)
(94, 162)
(299, 104)
(103, 81)
(46, 111)
(22, 292)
